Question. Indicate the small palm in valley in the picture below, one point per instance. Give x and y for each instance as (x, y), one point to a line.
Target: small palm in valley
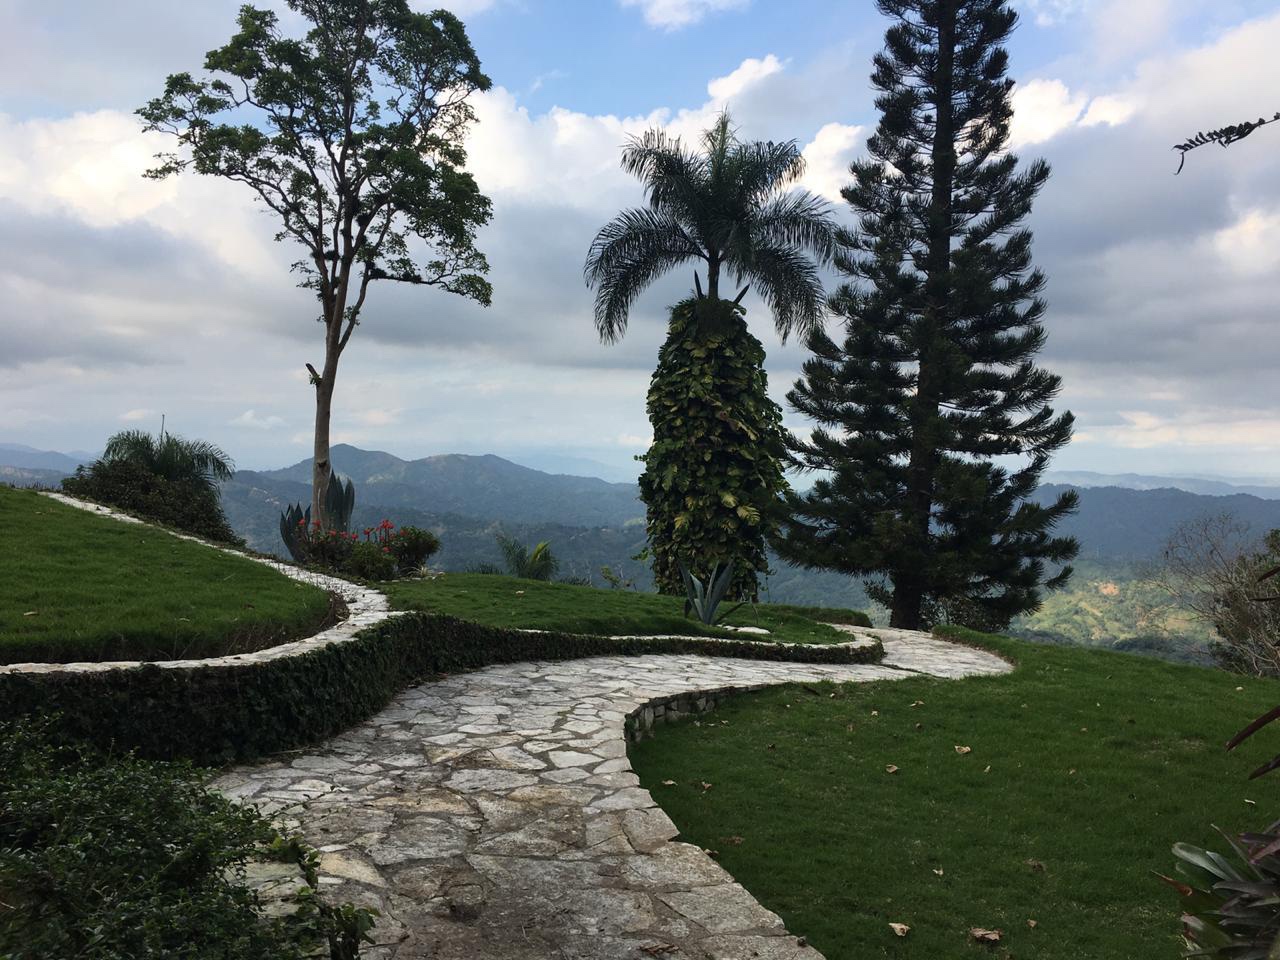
(193, 461)
(730, 205)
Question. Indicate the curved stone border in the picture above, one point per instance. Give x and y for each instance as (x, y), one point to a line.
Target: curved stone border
(365, 608)
(494, 815)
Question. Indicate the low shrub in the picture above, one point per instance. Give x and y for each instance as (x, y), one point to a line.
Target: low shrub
(116, 858)
(182, 504)
(412, 547)
(243, 711)
(384, 554)
(371, 561)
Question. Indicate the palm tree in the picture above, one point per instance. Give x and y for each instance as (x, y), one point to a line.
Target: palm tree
(194, 461)
(536, 564)
(730, 207)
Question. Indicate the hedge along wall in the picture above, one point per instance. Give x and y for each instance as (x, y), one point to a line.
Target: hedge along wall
(236, 712)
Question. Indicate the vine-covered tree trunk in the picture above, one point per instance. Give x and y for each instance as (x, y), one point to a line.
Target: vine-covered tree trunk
(713, 479)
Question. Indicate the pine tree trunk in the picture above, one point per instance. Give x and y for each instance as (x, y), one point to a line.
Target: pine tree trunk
(909, 586)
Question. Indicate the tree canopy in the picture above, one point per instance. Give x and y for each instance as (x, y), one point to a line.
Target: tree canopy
(730, 205)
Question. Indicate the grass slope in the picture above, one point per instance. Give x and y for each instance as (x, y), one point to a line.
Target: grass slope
(508, 602)
(74, 586)
(1085, 767)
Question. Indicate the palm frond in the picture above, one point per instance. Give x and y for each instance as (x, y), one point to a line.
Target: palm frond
(798, 219)
(790, 286)
(766, 167)
(673, 176)
(172, 457)
(629, 253)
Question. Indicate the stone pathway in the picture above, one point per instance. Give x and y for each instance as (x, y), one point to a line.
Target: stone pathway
(494, 815)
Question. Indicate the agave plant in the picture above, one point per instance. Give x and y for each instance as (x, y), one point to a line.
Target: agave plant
(536, 564)
(704, 599)
(295, 522)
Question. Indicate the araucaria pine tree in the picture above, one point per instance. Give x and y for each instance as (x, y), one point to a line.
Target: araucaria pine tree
(932, 422)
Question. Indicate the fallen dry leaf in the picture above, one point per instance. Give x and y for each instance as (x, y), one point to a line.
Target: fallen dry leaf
(963, 750)
(1036, 865)
(705, 785)
(987, 768)
(890, 768)
(875, 713)
(918, 703)
(901, 929)
(985, 936)
(938, 871)
(1031, 924)
(31, 613)
(519, 593)
(735, 841)
(668, 783)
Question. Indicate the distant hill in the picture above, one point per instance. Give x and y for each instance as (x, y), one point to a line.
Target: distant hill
(27, 477)
(29, 458)
(1137, 481)
(483, 487)
(1118, 524)
(253, 503)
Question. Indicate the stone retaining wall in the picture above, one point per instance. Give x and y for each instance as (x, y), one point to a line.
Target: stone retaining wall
(639, 724)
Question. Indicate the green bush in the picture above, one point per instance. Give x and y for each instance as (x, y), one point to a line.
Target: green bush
(184, 505)
(244, 711)
(117, 858)
(412, 547)
(370, 561)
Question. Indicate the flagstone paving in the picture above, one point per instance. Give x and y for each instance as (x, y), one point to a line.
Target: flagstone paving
(494, 815)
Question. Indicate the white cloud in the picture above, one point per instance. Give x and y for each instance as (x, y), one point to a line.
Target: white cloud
(827, 157)
(1041, 110)
(141, 413)
(1251, 245)
(1110, 109)
(252, 420)
(747, 75)
(674, 14)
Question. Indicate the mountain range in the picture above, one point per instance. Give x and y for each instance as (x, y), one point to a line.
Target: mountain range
(1128, 520)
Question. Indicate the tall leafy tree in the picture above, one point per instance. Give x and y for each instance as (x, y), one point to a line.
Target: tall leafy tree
(352, 136)
(932, 422)
(712, 477)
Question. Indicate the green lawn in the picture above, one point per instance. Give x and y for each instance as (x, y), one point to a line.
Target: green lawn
(74, 586)
(508, 602)
(1085, 766)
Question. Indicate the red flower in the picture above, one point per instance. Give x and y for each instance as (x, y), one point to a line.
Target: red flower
(386, 549)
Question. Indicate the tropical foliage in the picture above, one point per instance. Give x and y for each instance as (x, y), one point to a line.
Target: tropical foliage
(164, 478)
(172, 458)
(352, 136)
(933, 424)
(730, 206)
(536, 564)
(116, 858)
(713, 480)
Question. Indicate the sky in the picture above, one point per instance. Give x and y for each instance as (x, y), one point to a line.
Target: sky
(122, 299)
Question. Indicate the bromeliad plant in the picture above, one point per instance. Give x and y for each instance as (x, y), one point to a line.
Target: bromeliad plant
(1231, 910)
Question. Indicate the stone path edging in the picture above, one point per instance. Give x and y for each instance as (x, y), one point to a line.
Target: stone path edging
(494, 815)
(366, 607)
